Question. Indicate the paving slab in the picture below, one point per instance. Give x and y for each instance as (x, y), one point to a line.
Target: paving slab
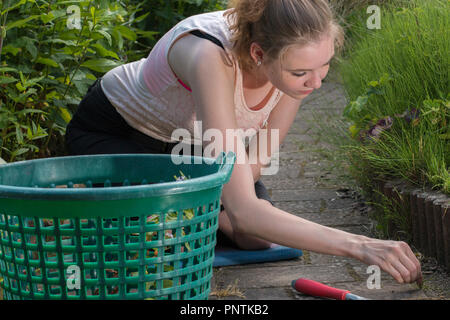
(333, 218)
(270, 279)
(298, 171)
(278, 276)
(320, 180)
(304, 194)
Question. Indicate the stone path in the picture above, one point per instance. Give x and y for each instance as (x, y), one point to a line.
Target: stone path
(308, 186)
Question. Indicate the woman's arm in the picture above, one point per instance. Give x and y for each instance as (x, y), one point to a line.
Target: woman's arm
(211, 81)
(278, 226)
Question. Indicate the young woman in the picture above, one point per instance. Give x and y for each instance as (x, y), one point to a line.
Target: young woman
(246, 67)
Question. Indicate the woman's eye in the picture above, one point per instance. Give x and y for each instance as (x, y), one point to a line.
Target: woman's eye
(299, 74)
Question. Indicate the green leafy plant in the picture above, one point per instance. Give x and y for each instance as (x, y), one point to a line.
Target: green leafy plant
(357, 110)
(437, 113)
(50, 53)
(162, 15)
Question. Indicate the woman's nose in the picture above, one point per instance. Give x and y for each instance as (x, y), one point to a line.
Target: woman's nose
(315, 82)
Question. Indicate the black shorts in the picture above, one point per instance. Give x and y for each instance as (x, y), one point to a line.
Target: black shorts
(97, 128)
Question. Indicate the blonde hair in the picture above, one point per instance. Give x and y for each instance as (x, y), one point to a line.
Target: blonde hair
(278, 24)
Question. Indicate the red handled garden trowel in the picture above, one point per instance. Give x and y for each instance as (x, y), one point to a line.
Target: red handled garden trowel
(317, 289)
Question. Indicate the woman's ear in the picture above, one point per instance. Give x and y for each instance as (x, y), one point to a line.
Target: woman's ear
(256, 53)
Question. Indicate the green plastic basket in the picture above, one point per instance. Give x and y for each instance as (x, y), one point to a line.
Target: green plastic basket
(110, 226)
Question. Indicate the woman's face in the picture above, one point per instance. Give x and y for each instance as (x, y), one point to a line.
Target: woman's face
(302, 68)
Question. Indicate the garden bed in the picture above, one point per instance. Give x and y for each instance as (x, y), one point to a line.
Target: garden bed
(427, 213)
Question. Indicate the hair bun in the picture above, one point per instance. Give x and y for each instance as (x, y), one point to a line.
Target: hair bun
(250, 10)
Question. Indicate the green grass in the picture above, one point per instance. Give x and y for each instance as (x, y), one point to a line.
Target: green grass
(411, 52)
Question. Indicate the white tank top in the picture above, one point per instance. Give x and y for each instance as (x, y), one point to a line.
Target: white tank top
(150, 98)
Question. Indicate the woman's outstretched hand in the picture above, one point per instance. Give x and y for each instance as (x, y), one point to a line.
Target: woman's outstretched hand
(393, 257)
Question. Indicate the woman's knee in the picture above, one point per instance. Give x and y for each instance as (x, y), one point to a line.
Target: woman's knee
(241, 240)
(245, 242)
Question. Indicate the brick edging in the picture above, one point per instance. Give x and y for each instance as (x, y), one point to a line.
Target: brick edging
(429, 216)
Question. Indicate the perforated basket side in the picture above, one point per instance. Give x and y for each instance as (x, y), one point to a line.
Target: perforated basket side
(161, 255)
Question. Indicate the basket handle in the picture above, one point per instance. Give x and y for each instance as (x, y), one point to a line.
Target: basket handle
(226, 164)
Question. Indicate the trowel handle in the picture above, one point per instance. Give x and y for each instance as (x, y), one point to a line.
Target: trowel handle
(317, 289)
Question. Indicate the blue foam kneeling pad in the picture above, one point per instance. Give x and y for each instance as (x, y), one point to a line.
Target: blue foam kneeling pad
(226, 256)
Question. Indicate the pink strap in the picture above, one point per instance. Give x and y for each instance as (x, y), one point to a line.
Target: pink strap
(185, 86)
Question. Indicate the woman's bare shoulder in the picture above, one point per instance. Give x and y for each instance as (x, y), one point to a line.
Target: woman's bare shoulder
(190, 53)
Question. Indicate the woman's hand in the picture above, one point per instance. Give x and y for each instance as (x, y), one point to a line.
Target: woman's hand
(393, 257)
